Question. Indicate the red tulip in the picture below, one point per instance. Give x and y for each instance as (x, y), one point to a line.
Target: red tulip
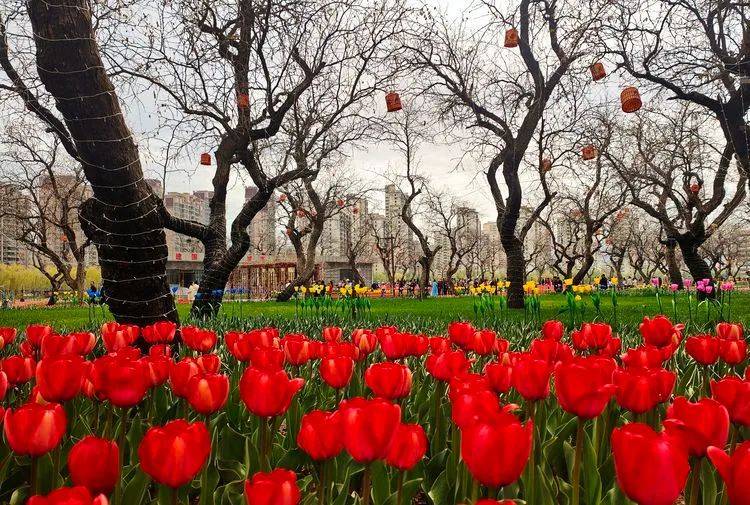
(396, 345)
(660, 332)
(584, 385)
(158, 368)
(198, 339)
(121, 380)
(553, 330)
(612, 349)
(644, 356)
(7, 336)
(239, 345)
(278, 487)
(116, 336)
(180, 374)
(641, 389)
(173, 454)
(389, 380)
(368, 427)
(461, 333)
(58, 345)
(35, 333)
(499, 376)
(439, 345)
(734, 470)
(365, 340)
(298, 349)
(207, 393)
(482, 342)
(342, 349)
(3, 385)
(591, 336)
(470, 407)
(408, 446)
(734, 394)
(550, 350)
(336, 371)
(69, 496)
(729, 331)
(268, 393)
(500, 346)
(700, 424)
(732, 352)
(59, 379)
(332, 334)
(263, 337)
(161, 332)
(320, 434)
(496, 451)
(447, 365)
(100, 477)
(703, 348)
(35, 429)
(531, 377)
(18, 369)
(85, 342)
(268, 358)
(651, 467)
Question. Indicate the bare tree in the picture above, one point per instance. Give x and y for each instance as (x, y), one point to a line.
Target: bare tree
(453, 222)
(120, 218)
(671, 173)
(502, 100)
(44, 192)
(693, 52)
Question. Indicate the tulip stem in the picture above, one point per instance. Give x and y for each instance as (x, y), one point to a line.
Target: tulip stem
(322, 484)
(577, 463)
(532, 456)
(475, 491)
(33, 476)
(175, 499)
(695, 479)
(366, 485)
(400, 488)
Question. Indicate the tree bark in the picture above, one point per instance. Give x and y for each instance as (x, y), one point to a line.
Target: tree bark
(695, 263)
(588, 262)
(515, 270)
(673, 267)
(121, 219)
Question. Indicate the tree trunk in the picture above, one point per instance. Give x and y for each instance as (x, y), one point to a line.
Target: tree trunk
(515, 270)
(675, 275)
(424, 280)
(588, 261)
(121, 219)
(696, 265)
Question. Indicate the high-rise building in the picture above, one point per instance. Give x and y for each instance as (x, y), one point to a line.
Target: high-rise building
(394, 225)
(191, 206)
(12, 251)
(262, 229)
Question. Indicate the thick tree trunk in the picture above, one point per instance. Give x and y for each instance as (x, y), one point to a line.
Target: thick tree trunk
(588, 261)
(698, 268)
(121, 219)
(673, 267)
(515, 270)
(424, 279)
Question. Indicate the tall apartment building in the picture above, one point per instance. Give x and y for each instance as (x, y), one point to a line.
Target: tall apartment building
(11, 250)
(262, 229)
(192, 206)
(394, 224)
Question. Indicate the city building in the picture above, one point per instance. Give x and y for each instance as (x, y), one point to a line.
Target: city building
(262, 229)
(185, 262)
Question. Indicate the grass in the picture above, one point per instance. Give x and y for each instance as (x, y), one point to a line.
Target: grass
(425, 315)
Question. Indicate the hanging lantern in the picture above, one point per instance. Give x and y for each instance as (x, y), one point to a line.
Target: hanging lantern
(63, 238)
(511, 38)
(300, 213)
(695, 188)
(289, 232)
(178, 256)
(393, 102)
(205, 159)
(243, 100)
(597, 71)
(194, 256)
(282, 198)
(630, 99)
(340, 202)
(589, 152)
(355, 210)
(546, 165)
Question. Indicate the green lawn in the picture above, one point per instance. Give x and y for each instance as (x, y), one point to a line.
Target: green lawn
(427, 315)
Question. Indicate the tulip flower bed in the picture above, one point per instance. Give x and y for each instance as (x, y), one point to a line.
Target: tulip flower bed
(128, 415)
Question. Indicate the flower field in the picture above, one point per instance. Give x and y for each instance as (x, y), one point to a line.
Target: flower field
(548, 415)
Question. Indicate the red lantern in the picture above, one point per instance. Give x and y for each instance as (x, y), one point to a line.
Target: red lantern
(205, 159)
(355, 210)
(589, 152)
(546, 165)
(289, 232)
(178, 256)
(511, 38)
(300, 213)
(695, 188)
(340, 202)
(194, 256)
(630, 99)
(393, 102)
(64, 238)
(282, 198)
(597, 71)
(243, 100)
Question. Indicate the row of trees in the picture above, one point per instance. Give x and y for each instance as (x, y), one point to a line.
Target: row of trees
(282, 90)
